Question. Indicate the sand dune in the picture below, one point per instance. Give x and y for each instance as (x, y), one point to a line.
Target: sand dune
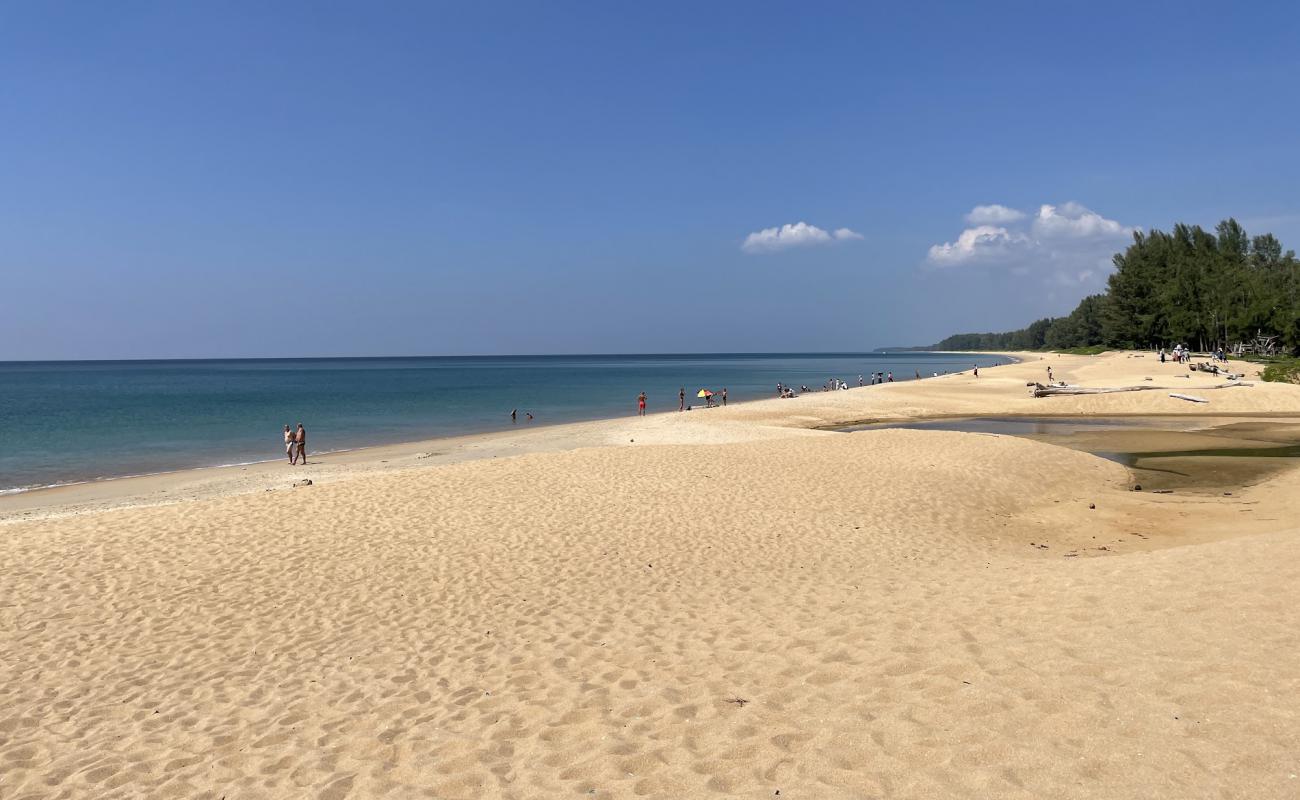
(726, 607)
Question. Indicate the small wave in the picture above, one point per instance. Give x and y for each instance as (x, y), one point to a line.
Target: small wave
(37, 488)
(107, 478)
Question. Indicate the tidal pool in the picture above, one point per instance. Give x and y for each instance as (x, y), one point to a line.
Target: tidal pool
(1200, 454)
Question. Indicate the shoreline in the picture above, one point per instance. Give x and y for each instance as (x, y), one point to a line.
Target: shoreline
(389, 449)
(238, 451)
(813, 413)
(679, 605)
(364, 448)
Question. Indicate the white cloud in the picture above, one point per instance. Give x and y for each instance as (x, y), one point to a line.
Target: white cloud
(1073, 220)
(799, 234)
(993, 215)
(1068, 245)
(982, 242)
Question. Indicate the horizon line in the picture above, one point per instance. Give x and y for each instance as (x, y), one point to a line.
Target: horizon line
(874, 351)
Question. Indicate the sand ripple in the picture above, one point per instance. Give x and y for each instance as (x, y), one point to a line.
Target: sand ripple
(839, 616)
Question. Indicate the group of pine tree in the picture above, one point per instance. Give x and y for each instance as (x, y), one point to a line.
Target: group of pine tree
(1192, 287)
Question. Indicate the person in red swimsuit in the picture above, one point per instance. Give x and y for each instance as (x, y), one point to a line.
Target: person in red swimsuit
(640, 404)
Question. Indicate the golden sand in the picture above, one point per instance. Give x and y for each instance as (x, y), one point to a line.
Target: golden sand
(713, 604)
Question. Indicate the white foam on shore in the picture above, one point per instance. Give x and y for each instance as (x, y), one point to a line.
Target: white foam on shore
(107, 478)
(21, 489)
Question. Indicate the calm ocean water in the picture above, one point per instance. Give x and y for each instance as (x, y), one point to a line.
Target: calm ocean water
(62, 422)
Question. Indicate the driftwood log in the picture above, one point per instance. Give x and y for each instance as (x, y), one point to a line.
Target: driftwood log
(1053, 391)
(1215, 369)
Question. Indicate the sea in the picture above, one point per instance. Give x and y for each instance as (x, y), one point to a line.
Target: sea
(67, 422)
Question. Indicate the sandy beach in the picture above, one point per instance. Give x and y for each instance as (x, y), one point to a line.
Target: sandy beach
(721, 603)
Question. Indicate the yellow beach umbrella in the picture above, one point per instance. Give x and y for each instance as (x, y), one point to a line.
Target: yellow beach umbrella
(704, 393)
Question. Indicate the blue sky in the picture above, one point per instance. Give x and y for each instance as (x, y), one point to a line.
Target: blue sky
(280, 179)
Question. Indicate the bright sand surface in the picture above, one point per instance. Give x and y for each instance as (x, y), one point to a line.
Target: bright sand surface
(718, 603)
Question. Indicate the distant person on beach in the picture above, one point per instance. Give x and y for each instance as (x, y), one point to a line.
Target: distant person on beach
(300, 442)
(288, 442)
(918, 374)
(514, 415)
(724, 395)
(977, 370)
(529, 414)
(891, 377)
(640, 404)
(681, 399)
(1049, 374)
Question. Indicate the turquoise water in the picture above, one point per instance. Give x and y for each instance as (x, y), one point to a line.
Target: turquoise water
(63, 422)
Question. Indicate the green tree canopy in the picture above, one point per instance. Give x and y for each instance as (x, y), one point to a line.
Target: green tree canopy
(1187, 286)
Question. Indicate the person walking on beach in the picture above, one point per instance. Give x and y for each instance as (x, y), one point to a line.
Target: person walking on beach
(681, 399)
(977, 370)
(300, 442)
(288, 443)
(640, 404)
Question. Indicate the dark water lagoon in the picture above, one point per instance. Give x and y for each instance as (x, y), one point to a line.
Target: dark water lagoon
(1209, 454)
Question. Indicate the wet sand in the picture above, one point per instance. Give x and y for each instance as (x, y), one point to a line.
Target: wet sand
(715, 604)
(999, 391)
(1202, 454)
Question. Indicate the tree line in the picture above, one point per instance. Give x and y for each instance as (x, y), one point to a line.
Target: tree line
(1188, 286)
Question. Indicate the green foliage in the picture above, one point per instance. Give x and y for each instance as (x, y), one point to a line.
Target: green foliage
(1282, 371)
(1032, 338)
(1081, 329)
(1090, 350)
(1188, 286)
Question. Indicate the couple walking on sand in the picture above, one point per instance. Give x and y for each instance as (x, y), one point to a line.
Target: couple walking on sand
(295, 444)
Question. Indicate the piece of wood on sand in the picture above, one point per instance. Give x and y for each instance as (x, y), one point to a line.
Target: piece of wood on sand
(1215, 369)
(1053, 391)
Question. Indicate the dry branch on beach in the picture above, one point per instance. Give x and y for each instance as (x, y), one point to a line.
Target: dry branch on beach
(1215, 369)
(1052, 391)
